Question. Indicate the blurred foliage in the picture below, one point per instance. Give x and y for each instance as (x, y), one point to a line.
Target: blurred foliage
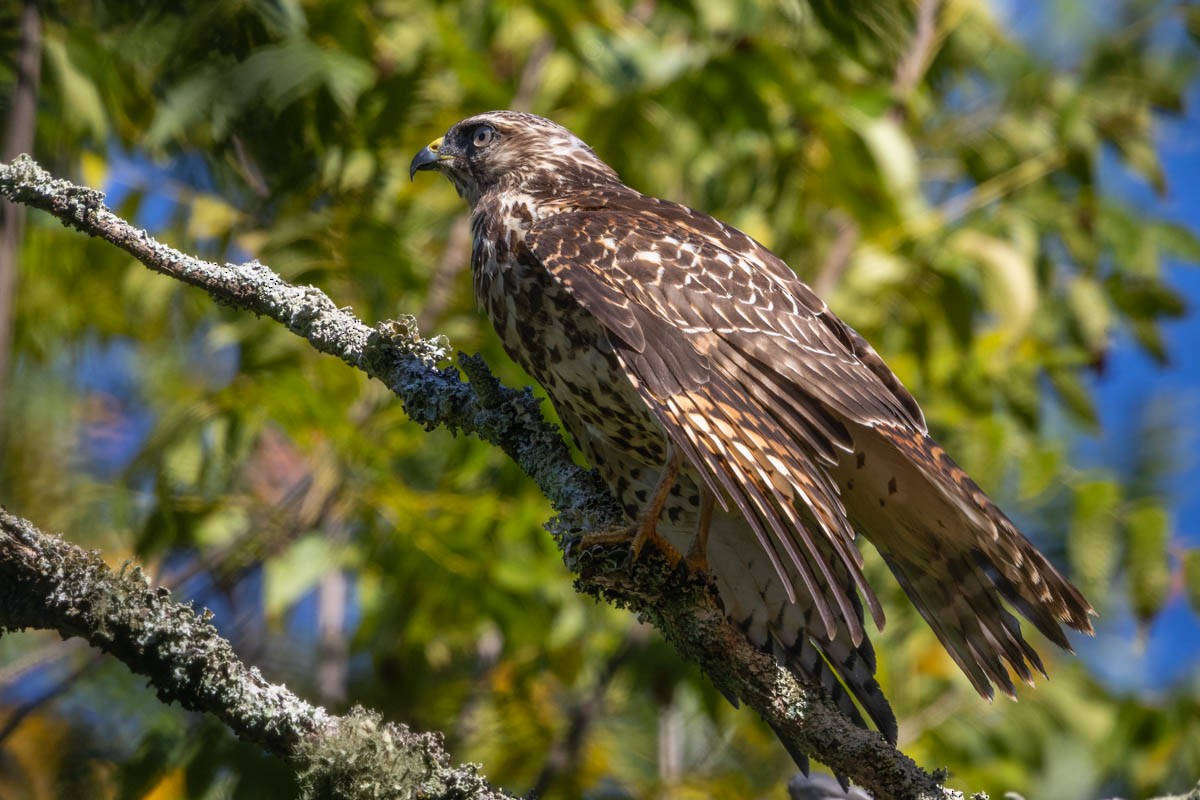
(945, 192)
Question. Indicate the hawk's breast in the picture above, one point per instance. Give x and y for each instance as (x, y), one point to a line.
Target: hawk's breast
(562, 346)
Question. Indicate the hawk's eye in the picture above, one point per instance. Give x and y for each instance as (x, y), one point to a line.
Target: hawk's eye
(483, 136)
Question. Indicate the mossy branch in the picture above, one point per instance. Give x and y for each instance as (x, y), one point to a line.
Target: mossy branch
(684, 609)
(49, 583)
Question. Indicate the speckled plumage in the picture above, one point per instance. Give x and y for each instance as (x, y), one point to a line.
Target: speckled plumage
(648, 323)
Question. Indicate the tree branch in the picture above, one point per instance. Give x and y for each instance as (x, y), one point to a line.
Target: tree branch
(913, 64)
(18, 138)
(46, 582)
(683, 607)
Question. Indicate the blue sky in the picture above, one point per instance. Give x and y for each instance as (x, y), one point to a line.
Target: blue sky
(1169, 653)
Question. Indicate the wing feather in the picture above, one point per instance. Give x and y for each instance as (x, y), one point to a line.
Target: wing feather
(722, 285)
(720, 452)
(716, 332)
(690, 369)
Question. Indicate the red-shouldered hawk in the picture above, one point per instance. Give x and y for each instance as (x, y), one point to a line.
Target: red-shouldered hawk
(736, 418)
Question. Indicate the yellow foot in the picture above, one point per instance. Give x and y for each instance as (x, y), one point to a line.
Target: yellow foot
(645, 530)
(648, 534)
(637, 536)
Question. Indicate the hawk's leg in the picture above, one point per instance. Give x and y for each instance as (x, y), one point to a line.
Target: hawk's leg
(697, 557)
(645, 530)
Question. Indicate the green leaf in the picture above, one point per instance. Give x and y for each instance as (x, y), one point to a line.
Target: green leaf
(1075, 397)
(1093, 315)
(281, 74)
(186, 103)
(1148, 530)
(1143, 159)
(295, 571)
(1041, 470)
(1009, 280)
(182, 462)
(1178, 240)
(1191, 577)
(1145, 298)
(895, 159)
(1149, 335)
(1093, 546)
(220, 527)
(80, 98)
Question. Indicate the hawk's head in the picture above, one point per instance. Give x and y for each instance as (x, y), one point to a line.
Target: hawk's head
(512, 150)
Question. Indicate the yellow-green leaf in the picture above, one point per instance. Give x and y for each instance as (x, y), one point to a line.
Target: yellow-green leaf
(1010, 286)
(1148, 529)
(1093, 545)
(295, 571)
(1191, 577)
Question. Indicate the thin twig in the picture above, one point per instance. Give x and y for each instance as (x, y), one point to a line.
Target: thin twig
(36, 659)
(915, 61)
(450, 266)
(531, 75)
(488, 649)
(838, 259)
(1029, 171)
(981, 195)
(18, 138)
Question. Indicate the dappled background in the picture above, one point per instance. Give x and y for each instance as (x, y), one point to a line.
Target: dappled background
(1003, 197)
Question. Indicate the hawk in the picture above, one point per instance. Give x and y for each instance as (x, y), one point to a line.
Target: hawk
(738, 420)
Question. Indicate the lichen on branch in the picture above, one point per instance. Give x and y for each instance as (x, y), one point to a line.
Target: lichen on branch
(48, 583)
(684, 609)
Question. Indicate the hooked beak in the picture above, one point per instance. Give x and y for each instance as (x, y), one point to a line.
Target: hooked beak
(426, 159)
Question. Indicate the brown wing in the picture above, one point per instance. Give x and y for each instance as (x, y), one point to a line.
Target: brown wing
(715, 329)
(698, 354)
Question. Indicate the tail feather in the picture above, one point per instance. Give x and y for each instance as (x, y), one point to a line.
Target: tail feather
(793, 632)
(845, 673)
(798, 756)
(1037, 613)
(980, 635)
(808, 662)
(957, 556)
